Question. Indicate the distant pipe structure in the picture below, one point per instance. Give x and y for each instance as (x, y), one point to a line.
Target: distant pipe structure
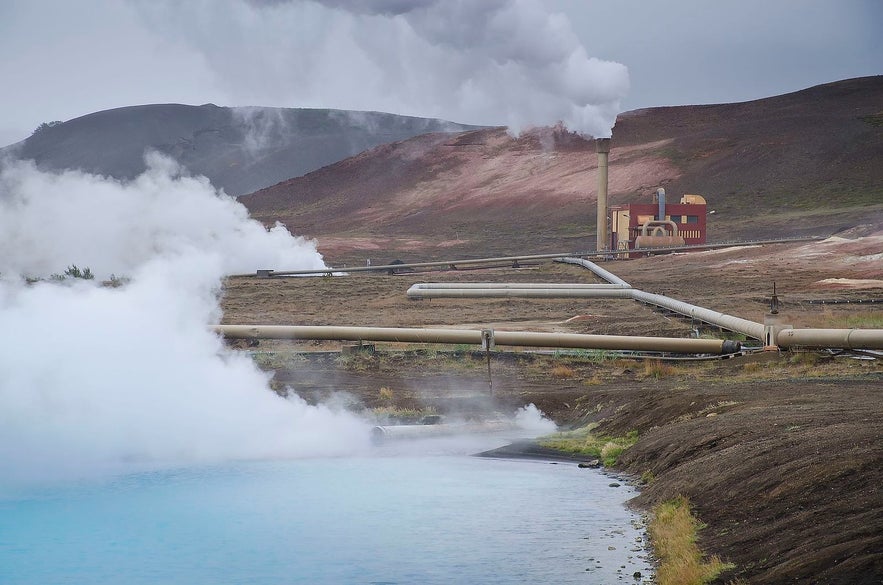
(512, 290)
(515, 285)
(810, 338)
(453, 264)
(619, 291)
(602, 145)
(660, 200)
(657, 225)
(618, 288)
(485, 337)
(737, 324)
(393, 267)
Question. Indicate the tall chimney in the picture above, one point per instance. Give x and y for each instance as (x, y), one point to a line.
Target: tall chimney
(603, 147)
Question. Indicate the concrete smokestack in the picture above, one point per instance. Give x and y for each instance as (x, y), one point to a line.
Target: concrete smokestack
(603, 148)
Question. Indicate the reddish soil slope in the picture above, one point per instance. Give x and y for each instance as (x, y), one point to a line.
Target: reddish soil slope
(802, 163)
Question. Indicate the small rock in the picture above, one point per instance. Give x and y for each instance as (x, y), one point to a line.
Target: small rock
(593, 464)
(710, 414)
(614, 484)
(611, 548)
(637, 575)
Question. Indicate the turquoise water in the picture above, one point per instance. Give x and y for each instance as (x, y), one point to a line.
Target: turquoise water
(402, 519)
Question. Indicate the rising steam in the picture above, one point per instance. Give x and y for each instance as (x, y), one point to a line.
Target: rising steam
(49, 220)
(93, 377)
(489, 62)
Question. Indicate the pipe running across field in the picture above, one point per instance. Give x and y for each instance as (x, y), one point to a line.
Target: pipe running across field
(522, 293)
(618, 289)
(478, 337)
(515, 285)
(840, 338)
(737, 324)
(809, 338)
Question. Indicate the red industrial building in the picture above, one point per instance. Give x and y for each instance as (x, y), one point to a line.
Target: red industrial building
(638, 226)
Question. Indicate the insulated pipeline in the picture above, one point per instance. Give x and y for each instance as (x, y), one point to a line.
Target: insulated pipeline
(840, 338)
(523, 293)
(619, 290)
(476, 337)
(737, 324)
(817, 338)
(596, 270)
(508, 285)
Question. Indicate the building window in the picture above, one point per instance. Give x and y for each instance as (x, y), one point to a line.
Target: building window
(692, 219)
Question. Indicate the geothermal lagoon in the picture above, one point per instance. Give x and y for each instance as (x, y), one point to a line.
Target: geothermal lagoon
(422, 513)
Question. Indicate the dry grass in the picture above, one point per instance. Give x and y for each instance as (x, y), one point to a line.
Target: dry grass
(656, 369)
(673, 534)
(562, 372)
(843, 319)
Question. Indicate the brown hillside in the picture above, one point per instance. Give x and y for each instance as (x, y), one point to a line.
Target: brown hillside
(802, 163)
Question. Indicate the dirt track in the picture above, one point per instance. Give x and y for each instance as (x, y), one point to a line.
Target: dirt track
(779, 453)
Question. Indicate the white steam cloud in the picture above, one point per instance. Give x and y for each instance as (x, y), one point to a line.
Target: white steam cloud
(96, 378)
(507, 62)
(530, 418)
(51, 220)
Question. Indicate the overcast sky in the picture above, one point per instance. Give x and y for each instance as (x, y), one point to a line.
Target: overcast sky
(475, 61)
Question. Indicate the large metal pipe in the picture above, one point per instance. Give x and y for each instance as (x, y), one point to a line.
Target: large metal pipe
(477, 337)
(512, 290)
(394, 334)
(603, 148)
(428, 292)
(840, 338)
(737, 324)
(820, 338)
(514, 285)
(595, 269)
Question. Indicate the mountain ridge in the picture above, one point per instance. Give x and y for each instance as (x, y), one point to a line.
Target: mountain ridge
(797, 164)
(239, 149)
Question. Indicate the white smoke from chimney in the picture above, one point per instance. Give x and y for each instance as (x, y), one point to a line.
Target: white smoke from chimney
(489, 62)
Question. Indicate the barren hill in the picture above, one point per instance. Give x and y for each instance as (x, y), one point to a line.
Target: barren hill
(238, 149)
(808, 162)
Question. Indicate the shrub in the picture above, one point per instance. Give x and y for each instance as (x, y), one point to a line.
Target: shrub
(673, 534)
(562, 372)
(656, 369)
(582, 441)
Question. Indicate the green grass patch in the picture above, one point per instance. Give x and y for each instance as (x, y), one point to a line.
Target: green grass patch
(583, 441)
(673, 535)
(875, 120)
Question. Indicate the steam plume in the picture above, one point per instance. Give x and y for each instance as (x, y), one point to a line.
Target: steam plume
(50, 220)
(95, 378)
(490, 62)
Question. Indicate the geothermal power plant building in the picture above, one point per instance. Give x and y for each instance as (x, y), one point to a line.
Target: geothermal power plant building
(636, 226)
